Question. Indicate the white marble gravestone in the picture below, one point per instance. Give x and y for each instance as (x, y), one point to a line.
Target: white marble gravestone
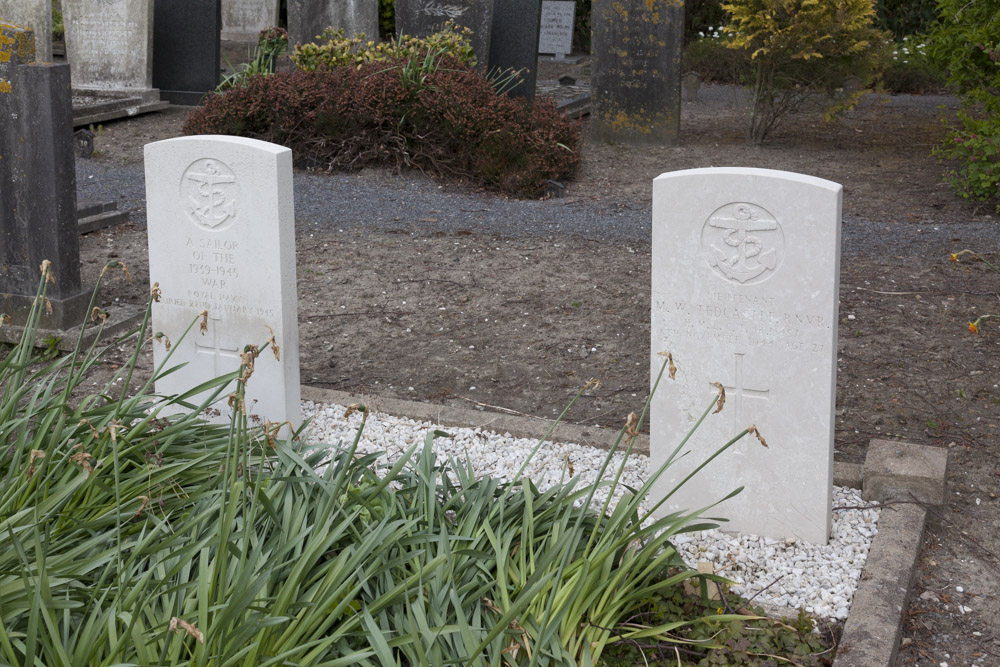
(242, 20)
(555, 34)
(34, 14)
(109, 46)
(745, 283)
(222, 238)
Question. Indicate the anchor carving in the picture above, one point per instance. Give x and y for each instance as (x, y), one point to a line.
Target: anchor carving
(212, 207)
(750, 259)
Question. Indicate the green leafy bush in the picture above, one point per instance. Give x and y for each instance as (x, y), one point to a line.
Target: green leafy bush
(710, 56)
(387, 19)
(443, 118)
(976, 146)
(271, 45)
(801, 52)
(905, 18)
(581, 26)
(58, 29)
(911, 69)
(966, 39)
(337, 50)
(702, 18)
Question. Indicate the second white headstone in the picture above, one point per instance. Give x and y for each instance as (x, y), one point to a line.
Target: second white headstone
(745, 284)
(221, 230)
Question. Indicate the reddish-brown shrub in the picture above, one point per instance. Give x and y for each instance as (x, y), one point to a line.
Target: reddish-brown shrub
(448, 122)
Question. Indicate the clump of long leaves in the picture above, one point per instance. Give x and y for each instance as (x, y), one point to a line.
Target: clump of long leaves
(131, 538)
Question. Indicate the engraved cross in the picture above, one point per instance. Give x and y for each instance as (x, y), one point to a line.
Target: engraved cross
(215, 349)
(738, 392)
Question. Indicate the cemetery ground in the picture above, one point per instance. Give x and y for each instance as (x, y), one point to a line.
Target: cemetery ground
(435, 292)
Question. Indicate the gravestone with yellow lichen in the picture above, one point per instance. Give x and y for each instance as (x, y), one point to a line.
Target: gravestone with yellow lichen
(636, 73)
(37, 186)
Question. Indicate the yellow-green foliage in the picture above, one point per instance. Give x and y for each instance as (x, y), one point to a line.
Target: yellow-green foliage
(336, 50)
(801, 52)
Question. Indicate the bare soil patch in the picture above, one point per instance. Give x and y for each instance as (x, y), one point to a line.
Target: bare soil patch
(462, 317)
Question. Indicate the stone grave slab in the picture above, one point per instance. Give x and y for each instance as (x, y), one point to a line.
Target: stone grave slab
(514, 43)
(556, 31)
(221, 235)
(34, 14)
(109, 47)
(93, 216)
(309, 18)
(745, 284)
(186, 49)
(242, 20)
(421, 18)
(636, 70)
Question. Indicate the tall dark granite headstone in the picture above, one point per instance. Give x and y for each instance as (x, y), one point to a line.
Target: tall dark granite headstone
(186, 49)
(37, 185)
(308, 18)
(514, 42)
(636, 75)
(421, 18)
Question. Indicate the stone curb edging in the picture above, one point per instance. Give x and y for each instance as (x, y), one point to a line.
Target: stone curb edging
(874, 625)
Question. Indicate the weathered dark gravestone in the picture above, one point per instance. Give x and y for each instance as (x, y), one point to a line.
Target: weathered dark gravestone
(636, 73)
(37, 186)
(421, 18)
(514, 43)
(309, 18)
(186, 49)
(34, 14)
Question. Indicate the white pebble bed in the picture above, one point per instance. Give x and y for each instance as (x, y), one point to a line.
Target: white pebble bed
(793, 574)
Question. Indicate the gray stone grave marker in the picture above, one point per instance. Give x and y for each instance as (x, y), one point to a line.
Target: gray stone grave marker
(514, 43)
(309, 18)
(34, 14)
(421, 18)
(186, 49)
(636, 71)
(222, 239)
(556, 31)
(37, 186)
(745, 284)
(109, 46)
(242, 20)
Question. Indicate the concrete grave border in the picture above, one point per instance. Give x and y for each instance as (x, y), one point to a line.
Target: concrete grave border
(893, 471)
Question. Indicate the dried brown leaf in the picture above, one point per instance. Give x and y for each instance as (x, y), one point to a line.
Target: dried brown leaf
(274, 344)
(192, 631)
(722, 397)
(35, 454)
(752, 430)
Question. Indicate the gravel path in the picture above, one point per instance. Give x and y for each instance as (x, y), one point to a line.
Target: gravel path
(373, 201)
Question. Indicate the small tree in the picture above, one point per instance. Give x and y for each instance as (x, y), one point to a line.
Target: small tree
(801, 53)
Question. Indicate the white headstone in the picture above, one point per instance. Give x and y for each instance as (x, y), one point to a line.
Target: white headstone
(221, 230)
(745, 284)
(555, 33)
(242, 20)
(109, 44)
(34, 14)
